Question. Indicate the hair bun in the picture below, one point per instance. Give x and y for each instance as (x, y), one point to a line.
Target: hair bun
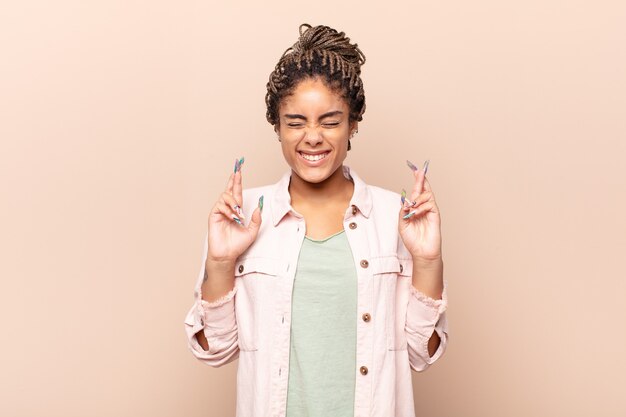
(325, 38)
(319, 52)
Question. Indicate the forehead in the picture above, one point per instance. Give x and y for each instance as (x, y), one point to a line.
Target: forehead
(312, 95)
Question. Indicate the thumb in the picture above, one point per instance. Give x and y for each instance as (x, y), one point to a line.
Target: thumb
(256, 218)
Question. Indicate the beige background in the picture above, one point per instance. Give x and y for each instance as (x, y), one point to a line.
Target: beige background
(120, 122)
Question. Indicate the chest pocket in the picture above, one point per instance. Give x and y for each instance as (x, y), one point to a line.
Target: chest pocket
(395, 277)
(251, 275)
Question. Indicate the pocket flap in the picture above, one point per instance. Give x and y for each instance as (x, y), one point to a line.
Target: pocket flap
(390, 264)
(385, 264)
(261, 265)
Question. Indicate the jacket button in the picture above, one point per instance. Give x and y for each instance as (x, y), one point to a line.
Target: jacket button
(353, 209)
(353, 225)
(363, 370)
(364, 263)
(401, 268)
(240, 268)
(366, 317)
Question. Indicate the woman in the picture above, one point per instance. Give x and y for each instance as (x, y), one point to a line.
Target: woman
(327, 291)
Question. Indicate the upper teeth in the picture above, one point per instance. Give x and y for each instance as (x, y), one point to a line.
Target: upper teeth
(313, 157)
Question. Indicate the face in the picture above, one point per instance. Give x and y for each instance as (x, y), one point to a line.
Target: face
(314, 130)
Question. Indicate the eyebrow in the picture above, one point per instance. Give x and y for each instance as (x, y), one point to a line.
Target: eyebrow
(328, 114)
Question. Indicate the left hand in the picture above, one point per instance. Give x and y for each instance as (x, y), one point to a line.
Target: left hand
(421, 233)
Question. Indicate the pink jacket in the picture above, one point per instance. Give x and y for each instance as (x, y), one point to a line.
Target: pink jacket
(252, 322)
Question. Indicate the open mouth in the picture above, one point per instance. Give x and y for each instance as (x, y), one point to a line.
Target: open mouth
(313, 157)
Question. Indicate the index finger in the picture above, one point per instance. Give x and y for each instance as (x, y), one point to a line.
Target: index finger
(231, 179)
(428, 188)
(420, 176)
(237, 188)
(427, 185)
(229, 185)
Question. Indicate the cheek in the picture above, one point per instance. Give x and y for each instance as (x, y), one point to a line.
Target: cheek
(341, 134)
(287, 151)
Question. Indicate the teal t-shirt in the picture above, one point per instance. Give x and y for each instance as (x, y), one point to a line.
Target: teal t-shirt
(322, 361)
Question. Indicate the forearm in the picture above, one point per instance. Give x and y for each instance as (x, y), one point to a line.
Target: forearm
(428, 279)
(219, 280)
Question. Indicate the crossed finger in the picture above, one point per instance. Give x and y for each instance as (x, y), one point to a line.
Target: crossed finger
(230, 183)
(237, 189)
(420, 176)
(234, 188)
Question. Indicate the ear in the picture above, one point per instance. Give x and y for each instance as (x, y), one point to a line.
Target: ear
(354, 126)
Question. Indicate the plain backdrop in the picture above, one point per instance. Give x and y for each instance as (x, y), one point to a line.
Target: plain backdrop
(120, 122)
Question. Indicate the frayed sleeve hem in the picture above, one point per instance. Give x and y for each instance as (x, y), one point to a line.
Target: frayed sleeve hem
(220, 301)
(439, 305)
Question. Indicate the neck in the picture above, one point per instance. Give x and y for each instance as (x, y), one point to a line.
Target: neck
(334, 188)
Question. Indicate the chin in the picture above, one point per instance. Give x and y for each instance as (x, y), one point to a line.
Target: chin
(315, 175)
(306, 175)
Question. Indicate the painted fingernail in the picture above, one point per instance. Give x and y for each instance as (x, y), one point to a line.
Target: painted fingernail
(411, 165)
(403, 196)
(426, 166)
(261, 204)
(238, 164)
(237, 220)
(406, 216)
(239, 211)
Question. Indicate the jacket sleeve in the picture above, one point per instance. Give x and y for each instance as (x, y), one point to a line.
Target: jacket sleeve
(217, 320)
(425, 315)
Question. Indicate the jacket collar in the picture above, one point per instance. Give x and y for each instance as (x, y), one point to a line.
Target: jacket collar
(361, 197)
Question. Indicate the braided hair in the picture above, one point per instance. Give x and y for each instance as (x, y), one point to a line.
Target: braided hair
(320, 52)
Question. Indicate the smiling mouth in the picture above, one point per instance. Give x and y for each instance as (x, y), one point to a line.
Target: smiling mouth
(314, 157)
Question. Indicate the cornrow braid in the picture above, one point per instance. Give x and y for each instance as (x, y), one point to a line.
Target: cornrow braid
(319, 52)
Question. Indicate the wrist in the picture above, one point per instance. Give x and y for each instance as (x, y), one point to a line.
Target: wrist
(428, 276)
(427, 263)
(220, 266)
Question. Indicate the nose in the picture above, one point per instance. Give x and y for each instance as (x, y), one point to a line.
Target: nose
(313, 136)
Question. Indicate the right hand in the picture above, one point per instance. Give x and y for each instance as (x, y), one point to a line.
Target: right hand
(227, 238)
